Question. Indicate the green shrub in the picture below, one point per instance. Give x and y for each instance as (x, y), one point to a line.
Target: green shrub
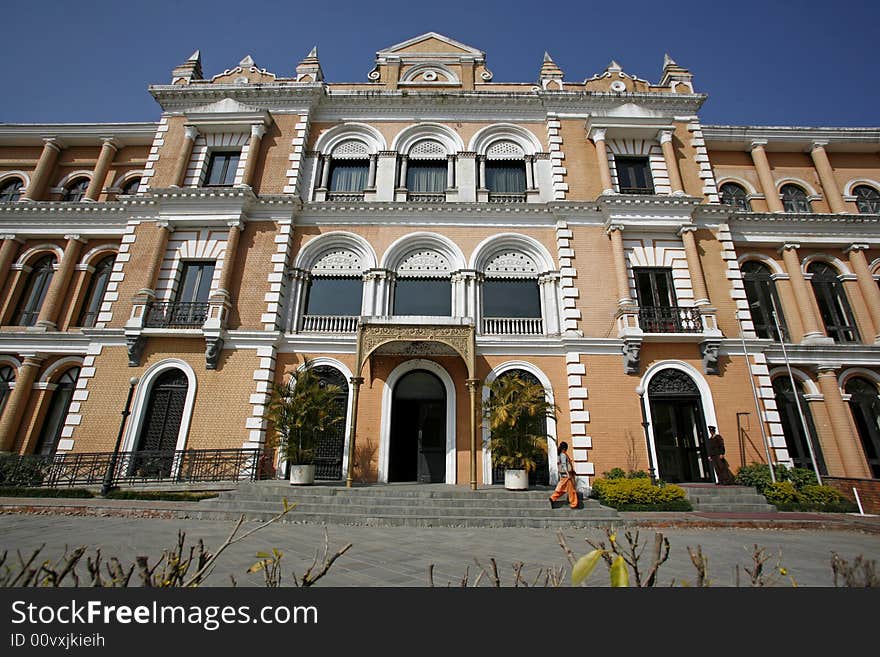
(677, 505)
(17, 471)
(639, 491)
(826, 498)
(168, 496)
(614, 473)
(800, 477)
(782, 492)
(18, 491)
(758, 476)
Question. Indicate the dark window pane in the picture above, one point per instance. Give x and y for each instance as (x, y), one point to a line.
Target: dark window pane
(11, 191)
(833, 304)
(35, 292)
(195, 282)
(95, 294)
(221, 169)
(733, 194)
(761, 294)
(654, 287)
(794, 199)
(793, 427)
(511, 298)
(348, 175)
(867, 199)
(506, 177)
(7, 378)
(131, 186)
(57, 413)
(426, 176)
(75, 190)
(334, 296)
(423, 296)
(634, 175)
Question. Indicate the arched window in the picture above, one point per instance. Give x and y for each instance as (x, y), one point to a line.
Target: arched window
(794, 199)
(793, 427)
(833, 304)
(131, 186)
(335, 292)
(733, 194)
(7, 378)
(427, 170)
(328, 454)
(864, 402)
(541, 474)
(867, 199)
(35, 289)
(511, 296)
(423, 285)
(75, 190)
(57, 413)
(349, 168)
(762, 297)
(95, 294)
(10, 191)
(157, 441)
(505, 168)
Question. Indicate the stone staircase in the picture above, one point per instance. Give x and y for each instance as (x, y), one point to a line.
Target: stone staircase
(726, 499)
(404, 505)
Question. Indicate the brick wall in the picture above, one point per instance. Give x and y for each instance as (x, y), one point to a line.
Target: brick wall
(869, 491)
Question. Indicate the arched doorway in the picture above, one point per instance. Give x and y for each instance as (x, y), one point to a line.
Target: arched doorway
(793, 427)
(864, 402)
(157, 440)
(541, 473)
(328, 455)
(679, 427)
(417, 449)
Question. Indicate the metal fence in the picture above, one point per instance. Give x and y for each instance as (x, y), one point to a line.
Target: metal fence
(674, 319)
(89, 468)
(163, 314)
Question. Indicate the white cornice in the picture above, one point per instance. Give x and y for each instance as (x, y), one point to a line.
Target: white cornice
(837, 230)
(78, 134)
(792, 137)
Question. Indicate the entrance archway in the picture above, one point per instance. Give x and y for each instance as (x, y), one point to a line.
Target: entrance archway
(678, 425)
(417, 444)
(158, 438)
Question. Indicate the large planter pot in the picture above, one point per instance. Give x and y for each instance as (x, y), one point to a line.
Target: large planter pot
(516, 480)
(302, 475)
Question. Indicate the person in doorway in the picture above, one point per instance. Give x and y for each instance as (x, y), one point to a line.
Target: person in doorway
(567, 479)
(716, 457)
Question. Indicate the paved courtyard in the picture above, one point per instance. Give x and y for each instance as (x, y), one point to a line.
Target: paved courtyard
(400, 557)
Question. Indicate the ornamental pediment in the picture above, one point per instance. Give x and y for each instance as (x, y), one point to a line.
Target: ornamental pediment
(430, 60)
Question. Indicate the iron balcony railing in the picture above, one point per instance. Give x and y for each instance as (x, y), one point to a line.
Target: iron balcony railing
(513, 326)
(345, 196)
(673, 319)
(329, 323)
(173, 314)
(507, 198)
(426, 197)
(637, 190)
(89, 468)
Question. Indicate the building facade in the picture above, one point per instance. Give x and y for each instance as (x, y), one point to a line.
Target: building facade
(417, 235)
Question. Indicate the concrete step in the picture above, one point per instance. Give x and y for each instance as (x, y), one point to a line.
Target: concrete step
(740, 508)
(727, 499)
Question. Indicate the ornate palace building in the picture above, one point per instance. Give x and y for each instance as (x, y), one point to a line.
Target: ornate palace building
(417, 235)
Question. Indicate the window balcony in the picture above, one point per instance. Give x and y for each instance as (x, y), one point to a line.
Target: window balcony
(673, 319)
(645, 191)
(329, 324)
(426, 197)
(175, 315)
(507, 198)
(513, 326)
(345, 196)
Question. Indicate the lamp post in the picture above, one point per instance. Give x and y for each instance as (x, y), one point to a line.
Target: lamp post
(111, 468)
(640, 391)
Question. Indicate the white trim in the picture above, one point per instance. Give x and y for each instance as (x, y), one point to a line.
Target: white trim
(330, 138)
(852, 372)
(742, 182)
(874, 267)
(705, 399)
(551, 421)
(810, 386)
(516, 241)
(41, 248)
(96, 253)
(311, 250)
(388, 401)
(841, 267)
(58, 365)
(402, 246)
(797, 182)
(487, 136)
(121, 181)
(66, 180)
(406, 138)
(775, 267)
(12, 361)
(141, 397)
(849, 188)
(21, 175)
(414, 71)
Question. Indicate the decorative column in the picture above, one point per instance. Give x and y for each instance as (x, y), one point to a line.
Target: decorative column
(7, 255)
(867, 284)
(665, 138)
(48, 318)
(826, 176)
(450, 171)
(45, 167)
(530, 172)
(482, 175)
(615, 232)
(257, 132)
(18, 401)
(218, 309)
(854, 464)
(802, 294)
(356, 383)
(371, 174)
(189, 139)
(701, 295)
(152, 274)
(473, 386)
(401, 176)
(597, 136)
(762, 166)
(99, 175)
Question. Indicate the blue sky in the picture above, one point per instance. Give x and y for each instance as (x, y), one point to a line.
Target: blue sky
(762, 63)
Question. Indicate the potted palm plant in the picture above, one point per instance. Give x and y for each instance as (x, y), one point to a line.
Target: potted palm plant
(302, 411)
(515, 411)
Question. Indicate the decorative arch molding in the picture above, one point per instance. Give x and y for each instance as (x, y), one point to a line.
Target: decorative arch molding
(388, 401)
(705, 395)
(797, 182)
(70, 177)
(98, 253)
(318, 246)
(331, 138)
(11, 361)
(742, 182)
(620, 146)
(774, 266)
(122, 180)
(32, 253)
(849, 188)
(809, 386)
(860, 372)
(841, 267)
(59, 367)
(405, 245)
(438, 132)
(529, 246)
(551, 421)
(411, 75)
(483, 140)
(6, 176)
(142, 395)
(874, 267)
